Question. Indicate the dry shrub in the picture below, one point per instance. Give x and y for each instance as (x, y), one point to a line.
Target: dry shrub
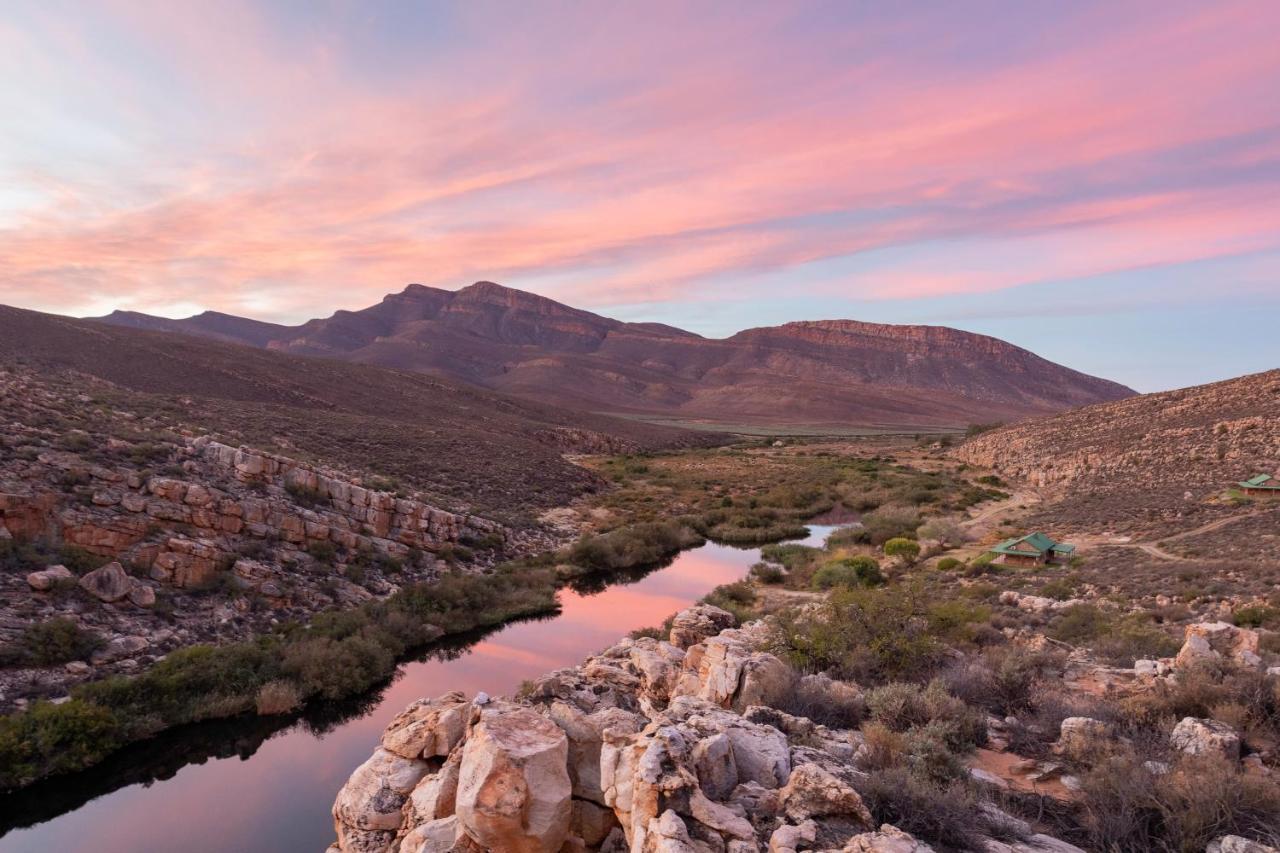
(827, 703)
(1126, 807)
(277, 697)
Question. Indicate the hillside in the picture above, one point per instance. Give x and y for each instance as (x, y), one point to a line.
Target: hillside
(830, 372)
(1162, 459)
(467, 447)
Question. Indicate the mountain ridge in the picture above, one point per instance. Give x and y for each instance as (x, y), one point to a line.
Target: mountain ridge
(816, 372)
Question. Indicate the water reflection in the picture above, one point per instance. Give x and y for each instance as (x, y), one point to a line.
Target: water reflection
(267, 785)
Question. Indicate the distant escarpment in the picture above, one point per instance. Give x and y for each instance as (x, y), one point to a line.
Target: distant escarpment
(838, 372)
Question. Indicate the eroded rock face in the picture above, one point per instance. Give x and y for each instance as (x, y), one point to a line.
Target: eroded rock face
(513, 789)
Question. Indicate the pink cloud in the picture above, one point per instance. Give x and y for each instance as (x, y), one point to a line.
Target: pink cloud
(621, 158)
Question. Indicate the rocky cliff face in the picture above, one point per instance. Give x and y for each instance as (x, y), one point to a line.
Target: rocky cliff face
(818, 372)
(201, 540)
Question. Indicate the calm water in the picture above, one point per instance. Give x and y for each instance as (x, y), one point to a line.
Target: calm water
(246, 787)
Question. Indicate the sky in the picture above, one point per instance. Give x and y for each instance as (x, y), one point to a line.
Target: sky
(1098, 182)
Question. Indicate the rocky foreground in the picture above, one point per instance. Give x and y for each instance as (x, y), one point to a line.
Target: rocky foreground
(673, 747)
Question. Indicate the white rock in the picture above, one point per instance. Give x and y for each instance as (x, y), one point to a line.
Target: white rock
(514, 789)
(1202, 737)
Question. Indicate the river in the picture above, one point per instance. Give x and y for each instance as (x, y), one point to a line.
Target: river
(259, 786)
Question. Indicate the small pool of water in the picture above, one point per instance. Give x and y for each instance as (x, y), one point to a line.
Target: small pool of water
(242, 787)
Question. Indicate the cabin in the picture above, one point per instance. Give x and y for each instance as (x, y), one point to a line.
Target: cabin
(1261, 484)
(1034, 549)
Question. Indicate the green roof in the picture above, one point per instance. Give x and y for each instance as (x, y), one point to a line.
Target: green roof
(1261, 481)
(1037, 540)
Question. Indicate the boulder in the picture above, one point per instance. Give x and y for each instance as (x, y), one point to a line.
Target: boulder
(107, 583)
(46, 579)
(513, 788)
(696, 624)
(435, 836)
(888, 839)
(812, 792)
(373, 798)
(788, 838)
(1082, 737)
(1208, 642)
(428, 728)
(1206, 737)
(667, 833)
(141, 595)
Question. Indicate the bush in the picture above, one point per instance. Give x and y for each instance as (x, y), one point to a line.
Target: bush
(848, 572)
(890, 522)
(767, 573)
(737, 598)
(1126, 807)
(53, 642)
(902, 707)
(908, 550)
(826, 702)
(305, 496)
(860, 634)
(947, 564)
(52, 738)
(945, 815)
(788, 554)
(629, 547)
(277, 697)
(1120, 641)
(1256, 616)
(948, 531)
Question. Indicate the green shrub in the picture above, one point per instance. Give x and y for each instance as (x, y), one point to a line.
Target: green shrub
(767, 573)
(737, 598)
(954, 620)
(904, 548)
(50, 738)
(848, 572)
(947, 564)
(638, 545)
(1256, 616)
(56, 641)
(890, 522)
(788, 554)
(861, 634)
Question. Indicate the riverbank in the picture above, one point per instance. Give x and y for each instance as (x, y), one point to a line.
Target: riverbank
(274, 777)
(660, 504)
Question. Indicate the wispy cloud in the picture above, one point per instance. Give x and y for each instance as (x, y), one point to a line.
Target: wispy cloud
(252, 159)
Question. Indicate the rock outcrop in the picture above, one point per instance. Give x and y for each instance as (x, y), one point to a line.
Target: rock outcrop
(647, 746)
(1212, 642)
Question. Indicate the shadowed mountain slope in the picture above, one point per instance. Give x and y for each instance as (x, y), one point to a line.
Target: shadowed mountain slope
(468, 445)
(838, 372)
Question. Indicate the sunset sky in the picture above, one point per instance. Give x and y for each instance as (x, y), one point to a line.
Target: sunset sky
(1098, 182)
